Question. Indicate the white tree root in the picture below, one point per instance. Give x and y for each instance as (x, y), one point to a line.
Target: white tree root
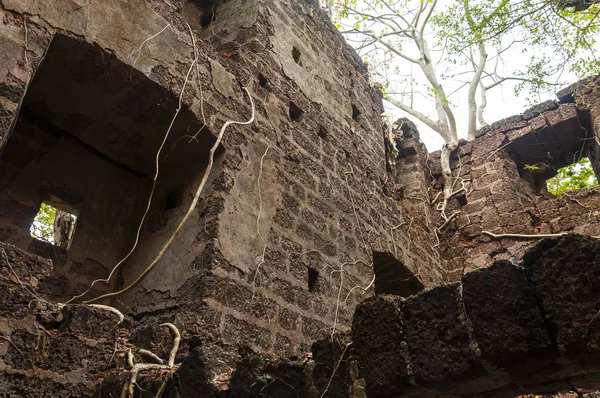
(176, 340)
(129, 386)
(109, 309)
(151, 356)
(187, 215)
(260, 208)
(154, 180)
(522, 236)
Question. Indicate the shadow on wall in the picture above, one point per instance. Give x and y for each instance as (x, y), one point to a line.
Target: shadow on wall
(393, 277)
(86, 141)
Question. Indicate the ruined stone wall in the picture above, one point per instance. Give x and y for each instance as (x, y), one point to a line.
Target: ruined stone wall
(281, 247)
(301, 198)
(501, 331)
(504, 172)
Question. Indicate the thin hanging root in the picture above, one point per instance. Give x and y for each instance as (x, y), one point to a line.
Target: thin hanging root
(448, 219)
(335, 369)
(154, 182)
(364, 289)
(189, 212)
(260, 206)
(176, 340)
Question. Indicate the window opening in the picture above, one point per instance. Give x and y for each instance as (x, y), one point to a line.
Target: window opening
(53, 225)
(322, 133)
(84, 144)
(575, 176)
(355, 112)
(262, 81)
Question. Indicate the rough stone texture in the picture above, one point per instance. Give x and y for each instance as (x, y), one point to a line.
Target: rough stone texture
(437, 339)
(298, 194)
(45, 352)
(295, 206)
(505, 195)
(24, 39)
(281, 247)
(378, 337)
(507, 323)
(565, 277)
(336, 369)
(460, 339)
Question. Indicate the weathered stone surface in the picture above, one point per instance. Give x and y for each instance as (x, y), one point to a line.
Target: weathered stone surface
(378, 336)
(437, 339)
(507, 323)
(537, 109)
(45, 351)
(332, 371)
(565, 273)
(300, 191)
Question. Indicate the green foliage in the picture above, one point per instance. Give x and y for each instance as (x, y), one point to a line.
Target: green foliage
(552, 37)
(575, 176)
(43, 224)
(531, 167)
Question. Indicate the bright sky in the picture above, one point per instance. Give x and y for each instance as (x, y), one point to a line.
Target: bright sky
(502, 103)
(501, 100)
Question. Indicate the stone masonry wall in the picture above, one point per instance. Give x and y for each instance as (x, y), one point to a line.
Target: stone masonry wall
(505, 330)
(504, 172)
(281, 248)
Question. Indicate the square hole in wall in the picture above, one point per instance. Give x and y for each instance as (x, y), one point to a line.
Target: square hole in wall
(355, 113)
(313, 280)
(263, 81)
(297, 55)
(461, 199)
(323, 134)
(53, 225)
(295, 112)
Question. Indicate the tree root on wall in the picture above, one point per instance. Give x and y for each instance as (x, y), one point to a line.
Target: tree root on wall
(129, 386)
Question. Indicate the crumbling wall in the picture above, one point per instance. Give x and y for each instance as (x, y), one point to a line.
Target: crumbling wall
(281, 247)
(45, 352)
(504, 172)
(501, 331)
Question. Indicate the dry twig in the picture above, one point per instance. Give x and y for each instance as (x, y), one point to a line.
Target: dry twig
(335, 369)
